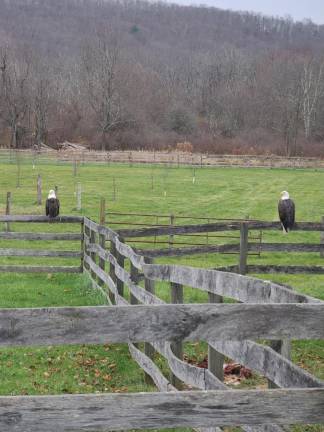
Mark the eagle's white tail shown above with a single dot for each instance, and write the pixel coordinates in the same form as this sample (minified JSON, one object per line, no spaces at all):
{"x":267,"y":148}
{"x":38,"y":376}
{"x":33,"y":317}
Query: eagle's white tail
{"x":284,"y":230}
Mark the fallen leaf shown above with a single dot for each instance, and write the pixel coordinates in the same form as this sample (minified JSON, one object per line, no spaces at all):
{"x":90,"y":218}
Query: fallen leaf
{"x":106,"y":377}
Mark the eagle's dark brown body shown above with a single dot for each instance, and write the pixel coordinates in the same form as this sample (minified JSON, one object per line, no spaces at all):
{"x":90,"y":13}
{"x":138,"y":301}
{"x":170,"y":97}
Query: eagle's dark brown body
{"x":286,"y":209}
{"x":52,"y":207}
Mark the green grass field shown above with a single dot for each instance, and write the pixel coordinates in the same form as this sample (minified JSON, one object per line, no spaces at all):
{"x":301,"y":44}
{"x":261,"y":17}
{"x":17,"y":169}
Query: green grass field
{"x":216,"y":193}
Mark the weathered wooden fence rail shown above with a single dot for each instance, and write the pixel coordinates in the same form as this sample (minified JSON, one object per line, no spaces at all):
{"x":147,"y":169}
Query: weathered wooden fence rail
{"x":104,"y":412}
{"x":40,"y":236}
{"x":216,"y":227}
{"x":173,"y":322}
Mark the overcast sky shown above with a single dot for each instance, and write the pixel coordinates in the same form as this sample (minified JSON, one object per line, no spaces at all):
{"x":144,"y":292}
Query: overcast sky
{"x":297,"y":9}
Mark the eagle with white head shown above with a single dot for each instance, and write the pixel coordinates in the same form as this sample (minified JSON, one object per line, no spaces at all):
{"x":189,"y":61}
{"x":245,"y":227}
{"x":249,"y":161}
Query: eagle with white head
{"x":52,"y":205}
{"x":286,"y":210}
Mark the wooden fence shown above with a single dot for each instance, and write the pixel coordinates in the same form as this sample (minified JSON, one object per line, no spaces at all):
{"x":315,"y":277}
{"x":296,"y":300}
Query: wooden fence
{"x":264,"y":310}
{"x":8,"y":235}
{"x":270,"y":311}
{"x":174,"y":158}
{"x":174,"y":247}
{"x":250,"y":241}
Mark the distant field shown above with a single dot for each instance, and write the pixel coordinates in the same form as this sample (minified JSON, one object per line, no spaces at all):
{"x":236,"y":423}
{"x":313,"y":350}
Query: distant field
{"x":216,"y":193}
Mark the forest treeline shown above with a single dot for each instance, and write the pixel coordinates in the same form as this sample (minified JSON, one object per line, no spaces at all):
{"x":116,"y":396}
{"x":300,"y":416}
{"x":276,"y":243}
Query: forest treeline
{"x":149,"y":75}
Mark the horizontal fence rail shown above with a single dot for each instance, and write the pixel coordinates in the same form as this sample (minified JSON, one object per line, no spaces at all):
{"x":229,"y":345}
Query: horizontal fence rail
{"x":41,"y":219}
{"x":237,"y":287}
{"x":39,"y":253}
{"x":111,"y":412}
{"x":39,"y":269}
{"x":190,"y":322}
{"x":41,"y":236}
{"x":216,"y":227}
{"x":234,"y":248}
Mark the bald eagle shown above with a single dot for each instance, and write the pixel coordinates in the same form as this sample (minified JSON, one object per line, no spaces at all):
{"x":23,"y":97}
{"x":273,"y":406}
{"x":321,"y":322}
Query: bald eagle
{"x":286,"y":209}
{"x":52,"y":205}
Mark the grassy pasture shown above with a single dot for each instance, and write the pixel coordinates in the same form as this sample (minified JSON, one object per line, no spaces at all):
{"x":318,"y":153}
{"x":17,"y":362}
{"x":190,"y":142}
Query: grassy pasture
{"x":216,"y":193}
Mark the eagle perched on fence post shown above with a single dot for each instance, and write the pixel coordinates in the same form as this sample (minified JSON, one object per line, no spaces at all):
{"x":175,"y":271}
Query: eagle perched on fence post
{"x":52,"y":205}
{"x":286,"y":209}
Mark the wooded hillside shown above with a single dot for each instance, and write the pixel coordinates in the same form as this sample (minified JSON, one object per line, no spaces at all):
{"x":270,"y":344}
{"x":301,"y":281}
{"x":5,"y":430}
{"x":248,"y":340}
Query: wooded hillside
{"x":133,"y":74}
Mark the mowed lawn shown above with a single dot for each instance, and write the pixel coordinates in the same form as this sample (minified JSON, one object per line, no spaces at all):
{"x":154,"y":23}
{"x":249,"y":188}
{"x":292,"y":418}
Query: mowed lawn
{"x":215,"y":193}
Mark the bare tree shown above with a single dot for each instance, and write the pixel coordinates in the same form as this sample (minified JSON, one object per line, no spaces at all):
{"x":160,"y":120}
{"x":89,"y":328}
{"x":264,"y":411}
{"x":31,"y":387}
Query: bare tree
{"x":41,"y":101}
{"x":285,"y":97}
{"x":312,"y":86}
{"x":100,"y":65}
{"x":14,"y":91}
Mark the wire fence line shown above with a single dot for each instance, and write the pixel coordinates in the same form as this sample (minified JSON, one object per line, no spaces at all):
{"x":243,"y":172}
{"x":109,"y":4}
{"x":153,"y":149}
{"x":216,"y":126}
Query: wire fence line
{"x":171,"y":159}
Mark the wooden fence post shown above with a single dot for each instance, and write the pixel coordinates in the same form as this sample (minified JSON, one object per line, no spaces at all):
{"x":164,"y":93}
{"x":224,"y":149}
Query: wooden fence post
{"x":134,"y":278}
{"x":93,"y":255}
{"x":114,"y":190}
{"x":172,"y":218}
{"x":39,"y":190}
{"x":121,"y":262}
{"x":112,"y":273}
{"x":102,"y":238}
{"x":215,"y":359}
{"x":75,"y":168}
{"x":282,"y":347}
{"x":148,"y":348}
{"x":82,"y":247}
{"x":244,"y":238}
{"x":79,"y":196}
{"x":322,"y":241}
{"x":102,"y":212}
{"x":56,"y":191}
{"x":8,"y":210}
{"x":86,"y":240}
{"x":132,"y":299}
{"x":176,"y":298}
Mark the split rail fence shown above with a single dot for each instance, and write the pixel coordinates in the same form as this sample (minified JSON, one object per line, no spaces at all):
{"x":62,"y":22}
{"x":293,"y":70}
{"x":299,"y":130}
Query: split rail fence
{"x":35,"y":236}
{"x":136,"y":315}
{"x":269,"y":311}
{"x":250,"y":241}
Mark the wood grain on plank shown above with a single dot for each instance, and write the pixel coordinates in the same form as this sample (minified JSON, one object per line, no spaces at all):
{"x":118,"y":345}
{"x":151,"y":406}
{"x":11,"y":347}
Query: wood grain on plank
{"x":242,"y":288}
{"x":267,"y":362}
{"x":99,"y":412}
{"x":100,"y":324}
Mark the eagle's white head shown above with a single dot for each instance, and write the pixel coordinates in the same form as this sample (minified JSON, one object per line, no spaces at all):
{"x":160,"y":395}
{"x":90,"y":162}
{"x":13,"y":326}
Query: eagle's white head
{"x":51,"y":194}
{"x":284,"y":195}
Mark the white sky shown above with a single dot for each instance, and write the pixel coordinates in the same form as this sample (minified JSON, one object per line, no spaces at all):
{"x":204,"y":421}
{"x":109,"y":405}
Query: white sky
{"x":297,"y":9}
